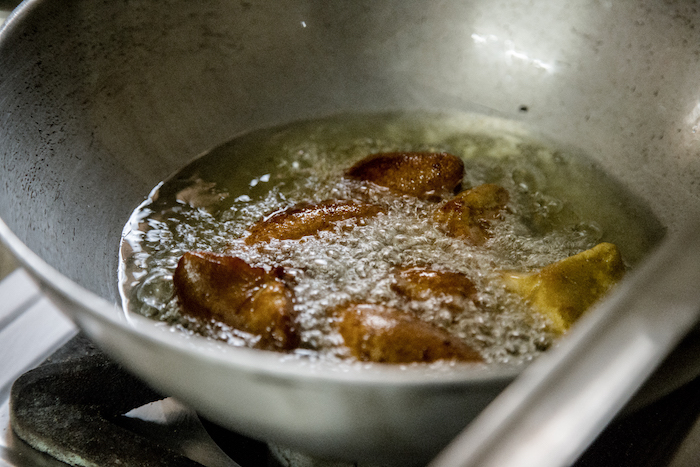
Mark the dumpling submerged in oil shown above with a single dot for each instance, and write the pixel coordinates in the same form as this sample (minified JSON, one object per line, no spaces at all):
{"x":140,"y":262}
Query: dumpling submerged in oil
{"x":381,"y":241}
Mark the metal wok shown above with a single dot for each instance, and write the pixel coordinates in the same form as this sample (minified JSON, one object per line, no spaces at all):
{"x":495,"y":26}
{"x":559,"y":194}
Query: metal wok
{"x":100,"y":100}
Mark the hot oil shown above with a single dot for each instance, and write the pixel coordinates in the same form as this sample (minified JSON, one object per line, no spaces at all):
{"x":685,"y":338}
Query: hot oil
{"x":561,"y":204}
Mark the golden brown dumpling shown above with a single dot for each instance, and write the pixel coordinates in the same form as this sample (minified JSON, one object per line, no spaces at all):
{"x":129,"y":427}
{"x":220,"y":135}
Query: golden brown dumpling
{"x":304,"y":220}
{"x":421,"y":174}
{"x":469,"y":214}
{"x":247,"y":298}
{"x":423,"y":283}
{"x":376,"y":333}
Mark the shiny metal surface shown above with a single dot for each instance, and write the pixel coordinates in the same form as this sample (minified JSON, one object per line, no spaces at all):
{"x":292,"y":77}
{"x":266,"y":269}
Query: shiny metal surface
{"x":101,"y":100}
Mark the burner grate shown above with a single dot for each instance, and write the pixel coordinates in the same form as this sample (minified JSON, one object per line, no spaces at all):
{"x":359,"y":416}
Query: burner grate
{"x":69,"y":410}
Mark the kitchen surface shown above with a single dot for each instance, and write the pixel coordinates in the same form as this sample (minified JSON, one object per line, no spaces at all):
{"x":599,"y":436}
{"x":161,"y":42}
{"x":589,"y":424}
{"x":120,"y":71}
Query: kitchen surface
{"x":661,"y":427}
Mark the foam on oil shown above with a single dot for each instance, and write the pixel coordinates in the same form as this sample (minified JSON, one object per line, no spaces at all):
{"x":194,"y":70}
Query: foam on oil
{"x":561,"y":204}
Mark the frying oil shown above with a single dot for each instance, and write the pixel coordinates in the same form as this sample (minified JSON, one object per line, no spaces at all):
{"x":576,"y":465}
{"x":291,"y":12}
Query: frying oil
{"x":561,"y":204}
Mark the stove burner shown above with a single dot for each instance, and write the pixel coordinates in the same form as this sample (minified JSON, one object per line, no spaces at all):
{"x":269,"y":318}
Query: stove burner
{"x":69,"y":408}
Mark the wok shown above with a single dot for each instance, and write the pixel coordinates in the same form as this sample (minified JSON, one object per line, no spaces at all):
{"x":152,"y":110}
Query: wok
{"x":101,"y":100}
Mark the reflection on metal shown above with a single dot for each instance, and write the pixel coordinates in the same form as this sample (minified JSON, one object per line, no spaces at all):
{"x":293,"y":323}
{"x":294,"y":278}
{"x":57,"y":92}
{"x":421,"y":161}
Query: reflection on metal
{"x":510,"y":51}
{"x":693,"y":118}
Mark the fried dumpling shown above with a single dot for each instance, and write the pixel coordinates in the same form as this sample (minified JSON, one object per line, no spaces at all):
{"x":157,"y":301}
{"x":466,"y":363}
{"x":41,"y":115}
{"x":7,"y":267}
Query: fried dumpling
{"x":564,"y":290}
{"x":421,"y":174}
{"x":423,"y":283}
{"x":303,"y":220}
{"x":469,"y":214}
{"x":377,"y":333}
{"x":250,"y":299}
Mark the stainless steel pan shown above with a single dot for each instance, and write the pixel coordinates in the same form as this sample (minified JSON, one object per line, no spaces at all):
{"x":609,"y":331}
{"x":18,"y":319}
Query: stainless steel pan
{"x":100,"y":100}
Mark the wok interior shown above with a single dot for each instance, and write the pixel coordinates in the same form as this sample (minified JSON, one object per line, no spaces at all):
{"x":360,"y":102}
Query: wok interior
{"x":102,"y":100}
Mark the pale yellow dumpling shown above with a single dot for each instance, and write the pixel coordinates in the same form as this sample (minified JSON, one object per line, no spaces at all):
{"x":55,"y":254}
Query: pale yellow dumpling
{"x":564,"y":290}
